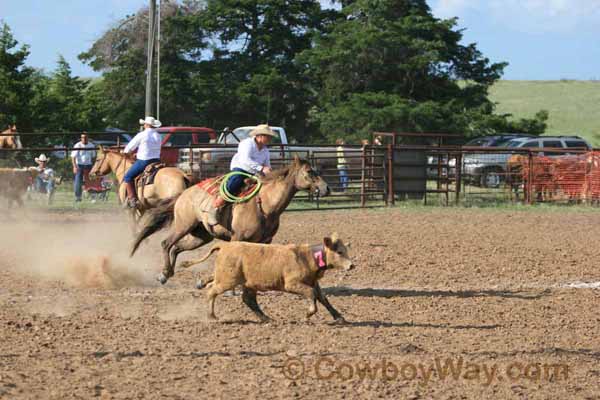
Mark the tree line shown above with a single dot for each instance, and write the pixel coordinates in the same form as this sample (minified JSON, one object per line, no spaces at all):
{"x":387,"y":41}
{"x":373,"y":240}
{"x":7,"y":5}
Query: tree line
{"x":322,"y":73}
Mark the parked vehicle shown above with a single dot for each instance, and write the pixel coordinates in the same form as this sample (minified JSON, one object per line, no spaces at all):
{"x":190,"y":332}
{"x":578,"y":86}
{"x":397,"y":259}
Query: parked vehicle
{"x":182,"y":136}
{"x":111,"y":138}
{"x":215,"y":160}
{"x":494,"y":140}
{"x":115,"y":137}
{"x":490,"y":169}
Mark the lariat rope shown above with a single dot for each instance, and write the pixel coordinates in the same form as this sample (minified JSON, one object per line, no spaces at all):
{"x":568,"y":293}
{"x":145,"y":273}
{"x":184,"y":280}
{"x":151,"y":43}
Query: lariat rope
{"x":222,"y":181}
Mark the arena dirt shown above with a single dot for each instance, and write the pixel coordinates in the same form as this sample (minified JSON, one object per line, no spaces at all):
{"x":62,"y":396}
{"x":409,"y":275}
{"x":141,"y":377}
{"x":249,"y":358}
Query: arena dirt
{"x":444,"y":303}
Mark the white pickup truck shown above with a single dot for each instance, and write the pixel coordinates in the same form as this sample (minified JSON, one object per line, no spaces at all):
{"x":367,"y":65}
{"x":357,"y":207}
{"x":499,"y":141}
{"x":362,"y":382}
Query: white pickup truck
{"x":210,"y":161}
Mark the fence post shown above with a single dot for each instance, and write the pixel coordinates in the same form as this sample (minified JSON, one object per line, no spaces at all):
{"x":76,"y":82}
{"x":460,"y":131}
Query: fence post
{"x":200,"y":164}
{"x":191,"y":161}
{"x":458,"y":177}
{"x":390,"y":161}
{"x":363,"y":176}
{"x":530,"y":179}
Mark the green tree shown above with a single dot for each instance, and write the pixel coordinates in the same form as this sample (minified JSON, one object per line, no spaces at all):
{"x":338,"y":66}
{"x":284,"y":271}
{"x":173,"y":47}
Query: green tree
{"x":390,"y":65}
{"x":15,"y":83}
{"x":65,"y":100}
{"x":255,"y":44}
{"x":121,"y":55}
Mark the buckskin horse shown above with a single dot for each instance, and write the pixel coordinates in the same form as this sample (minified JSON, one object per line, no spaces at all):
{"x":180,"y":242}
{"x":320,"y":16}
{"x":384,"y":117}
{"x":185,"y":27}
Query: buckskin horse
{"x":169,"y":182}
{"x":256,"y":220}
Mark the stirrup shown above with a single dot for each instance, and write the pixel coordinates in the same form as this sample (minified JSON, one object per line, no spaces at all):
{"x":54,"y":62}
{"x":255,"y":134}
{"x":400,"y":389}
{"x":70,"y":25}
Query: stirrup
{"x":131,"y":203}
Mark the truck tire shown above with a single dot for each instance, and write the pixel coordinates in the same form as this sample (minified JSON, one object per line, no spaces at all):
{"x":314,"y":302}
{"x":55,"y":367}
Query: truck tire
{"x":491,"y":178}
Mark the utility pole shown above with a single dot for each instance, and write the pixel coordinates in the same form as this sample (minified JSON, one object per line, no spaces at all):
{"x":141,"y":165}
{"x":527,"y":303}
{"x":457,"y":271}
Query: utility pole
{"x":151,"y":34}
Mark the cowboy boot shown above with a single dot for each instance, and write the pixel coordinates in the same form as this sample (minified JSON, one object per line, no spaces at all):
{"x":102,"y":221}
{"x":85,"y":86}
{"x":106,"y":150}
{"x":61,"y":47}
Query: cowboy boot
{"x":132,"y":201}
{"x":213,"y":213}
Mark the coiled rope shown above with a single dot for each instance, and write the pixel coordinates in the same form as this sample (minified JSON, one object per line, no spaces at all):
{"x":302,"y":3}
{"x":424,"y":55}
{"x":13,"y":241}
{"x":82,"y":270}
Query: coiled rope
{"x":238,"y":199}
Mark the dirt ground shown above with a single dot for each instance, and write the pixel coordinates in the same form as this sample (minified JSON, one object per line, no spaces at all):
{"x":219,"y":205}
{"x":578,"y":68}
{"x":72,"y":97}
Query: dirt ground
{"x":443,"y":303}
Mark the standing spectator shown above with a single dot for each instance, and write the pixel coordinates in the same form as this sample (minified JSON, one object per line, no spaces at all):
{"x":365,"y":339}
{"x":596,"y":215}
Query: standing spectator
{"x":342,"y":165}
{"x":82,"y":163}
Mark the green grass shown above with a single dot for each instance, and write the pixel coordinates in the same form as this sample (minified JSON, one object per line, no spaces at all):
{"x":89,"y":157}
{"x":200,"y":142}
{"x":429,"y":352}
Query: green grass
{"x":574,"y":106}
{"x":64,"y":199}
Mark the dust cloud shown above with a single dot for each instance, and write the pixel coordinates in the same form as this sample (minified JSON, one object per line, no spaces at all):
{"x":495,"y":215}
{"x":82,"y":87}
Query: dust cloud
{"x":90,"y":254}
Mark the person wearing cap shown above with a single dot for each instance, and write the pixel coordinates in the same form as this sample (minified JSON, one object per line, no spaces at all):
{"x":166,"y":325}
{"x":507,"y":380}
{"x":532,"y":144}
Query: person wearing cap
{"x":44,"y":182}
{"x":82,"y":161}
{"x":252,"y":157}
{"x":147,"y":143}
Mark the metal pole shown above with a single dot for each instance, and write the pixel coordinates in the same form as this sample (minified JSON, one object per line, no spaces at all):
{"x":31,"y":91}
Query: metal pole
{"x":151,"y":13}
{"x":458,"y":176}
{"x":390,"y":161}
{"x":363,"y":167}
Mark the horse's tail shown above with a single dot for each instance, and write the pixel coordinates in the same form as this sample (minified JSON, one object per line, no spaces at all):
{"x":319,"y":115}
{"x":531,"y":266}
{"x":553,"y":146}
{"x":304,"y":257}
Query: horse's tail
{"x":187,"y":264}
{"x":154,"y":220}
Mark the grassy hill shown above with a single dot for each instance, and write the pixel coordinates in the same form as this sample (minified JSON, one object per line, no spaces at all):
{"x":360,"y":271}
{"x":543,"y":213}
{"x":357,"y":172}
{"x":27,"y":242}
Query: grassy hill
{"x":574,"y":106}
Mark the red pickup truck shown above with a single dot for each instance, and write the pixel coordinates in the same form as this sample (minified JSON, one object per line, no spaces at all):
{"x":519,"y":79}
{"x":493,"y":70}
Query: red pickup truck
{"x":182,"y":136}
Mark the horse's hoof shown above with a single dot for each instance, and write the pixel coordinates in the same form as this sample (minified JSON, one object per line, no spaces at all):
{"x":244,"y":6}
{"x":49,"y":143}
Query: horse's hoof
{"x":200,"y":284}
{"x":162,"y":278}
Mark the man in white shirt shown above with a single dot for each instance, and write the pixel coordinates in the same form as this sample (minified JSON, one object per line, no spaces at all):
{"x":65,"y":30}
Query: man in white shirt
{"x":252,"y":157}
{"x":82,"y":161}
{"x":148,"y":144}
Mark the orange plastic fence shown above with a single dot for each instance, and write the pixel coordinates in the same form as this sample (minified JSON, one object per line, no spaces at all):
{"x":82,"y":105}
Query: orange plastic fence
{"x":568,"y":177}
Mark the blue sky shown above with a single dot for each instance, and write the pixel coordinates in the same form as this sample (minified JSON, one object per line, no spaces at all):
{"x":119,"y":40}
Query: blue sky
{"x":541,"y":39}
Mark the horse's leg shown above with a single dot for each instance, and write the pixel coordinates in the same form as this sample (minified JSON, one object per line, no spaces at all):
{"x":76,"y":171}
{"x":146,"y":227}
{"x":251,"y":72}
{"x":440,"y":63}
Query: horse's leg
{"x":176,"y":234}
{"x":187,"y":243}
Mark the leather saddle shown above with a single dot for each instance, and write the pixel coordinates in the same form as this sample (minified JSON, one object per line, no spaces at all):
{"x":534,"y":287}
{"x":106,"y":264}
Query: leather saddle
{"x":147,"y":177}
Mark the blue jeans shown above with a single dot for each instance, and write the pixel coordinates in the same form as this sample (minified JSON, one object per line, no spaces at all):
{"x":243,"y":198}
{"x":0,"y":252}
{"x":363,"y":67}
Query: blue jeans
{"x":343,"y":178}
{"x":137,"y":168}
{"x":44,"y":187}
{"x":82,"y":172}
{"x":236,"y":182}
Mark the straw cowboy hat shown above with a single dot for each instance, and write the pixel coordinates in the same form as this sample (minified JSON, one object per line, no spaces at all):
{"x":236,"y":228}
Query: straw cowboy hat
{"x":263,"y":129}
{"x":151,"y":121}
{"x":42,"y":158}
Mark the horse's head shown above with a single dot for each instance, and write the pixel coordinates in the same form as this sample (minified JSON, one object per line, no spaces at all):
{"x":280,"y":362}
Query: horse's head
{"x":13,"y":141}
{"x":306,"y":178}
{"x":101,"y":166}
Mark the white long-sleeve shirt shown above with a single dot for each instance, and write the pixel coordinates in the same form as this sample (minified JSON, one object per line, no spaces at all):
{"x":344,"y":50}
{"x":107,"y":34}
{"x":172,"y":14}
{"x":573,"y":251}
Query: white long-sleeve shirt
{"x":147,"y":142}
{"x":249,"y":157}
{"x":84,"y":157}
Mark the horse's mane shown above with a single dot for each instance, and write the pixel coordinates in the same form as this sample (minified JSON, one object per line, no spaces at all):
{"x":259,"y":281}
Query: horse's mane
{"x":284,"y":172}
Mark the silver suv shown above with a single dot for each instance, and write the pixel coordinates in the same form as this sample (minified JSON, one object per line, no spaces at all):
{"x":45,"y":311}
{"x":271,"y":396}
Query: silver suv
{"x":489,"y":170}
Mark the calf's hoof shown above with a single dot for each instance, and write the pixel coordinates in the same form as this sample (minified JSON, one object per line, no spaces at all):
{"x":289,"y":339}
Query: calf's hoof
{"x":162,"y":278}
{"x":200,"y":284}
{"x":340,"y":321}
{"x":212,"y":318}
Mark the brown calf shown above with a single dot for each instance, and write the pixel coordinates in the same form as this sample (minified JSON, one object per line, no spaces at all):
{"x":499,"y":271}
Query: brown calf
{"x":14,"y":183}
{"x":263,"y":267}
